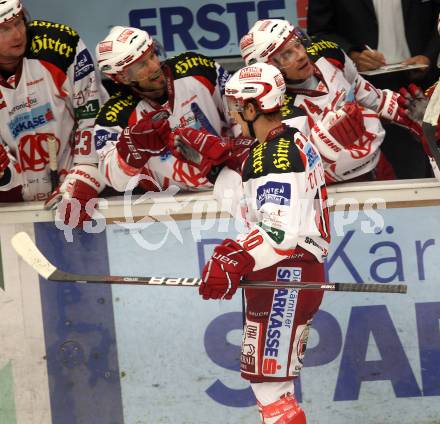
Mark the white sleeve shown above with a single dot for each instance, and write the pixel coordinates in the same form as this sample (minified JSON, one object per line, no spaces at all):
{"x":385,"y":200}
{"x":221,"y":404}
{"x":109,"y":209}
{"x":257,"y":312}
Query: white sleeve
{"x":86,"y":95}
{"x":109,"y":164}
{"x":365,"y":93}
{"x":228,"y":191}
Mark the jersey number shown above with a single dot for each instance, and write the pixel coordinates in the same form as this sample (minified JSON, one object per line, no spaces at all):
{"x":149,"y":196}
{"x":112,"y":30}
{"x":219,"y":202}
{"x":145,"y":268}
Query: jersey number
{"x":83,"y":143}
{"x":252,"y":240}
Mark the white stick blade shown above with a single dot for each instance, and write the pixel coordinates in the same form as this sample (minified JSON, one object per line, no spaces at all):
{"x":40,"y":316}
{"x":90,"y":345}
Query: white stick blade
{"x":26,"y":249}
{"x":52,"y":149}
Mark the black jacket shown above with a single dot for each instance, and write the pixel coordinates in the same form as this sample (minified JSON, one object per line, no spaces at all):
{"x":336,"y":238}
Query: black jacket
{"x":353,"y":24}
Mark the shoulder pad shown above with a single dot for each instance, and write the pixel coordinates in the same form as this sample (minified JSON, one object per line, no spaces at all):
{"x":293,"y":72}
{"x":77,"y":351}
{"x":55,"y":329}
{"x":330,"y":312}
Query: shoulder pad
{"x":328,"y":49}
{"x":52,"y":42}
{"x":289,"y":110}
{"x":117,"y":110}
{"x":278,"y":156}
{"x":191,"y":64}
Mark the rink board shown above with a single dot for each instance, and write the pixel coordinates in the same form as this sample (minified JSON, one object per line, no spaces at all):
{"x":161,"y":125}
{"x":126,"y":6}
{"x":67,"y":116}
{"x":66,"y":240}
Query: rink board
{"x":137,"y":355}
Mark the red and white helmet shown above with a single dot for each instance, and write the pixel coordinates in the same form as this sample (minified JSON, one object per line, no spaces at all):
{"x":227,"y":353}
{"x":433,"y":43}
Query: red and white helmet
{"x":122,"y":47}
{"x":9,"y":9}
{"x":265,"y":38}
{"x":261,"y":82}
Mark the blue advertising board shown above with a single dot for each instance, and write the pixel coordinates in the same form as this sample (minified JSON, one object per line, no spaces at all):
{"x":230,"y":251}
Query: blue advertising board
{"x":161,"y":354}
{"x":213,"y":29}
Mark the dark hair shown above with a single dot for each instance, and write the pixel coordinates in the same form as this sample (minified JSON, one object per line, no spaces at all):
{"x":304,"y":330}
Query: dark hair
{"x":271,"y":116}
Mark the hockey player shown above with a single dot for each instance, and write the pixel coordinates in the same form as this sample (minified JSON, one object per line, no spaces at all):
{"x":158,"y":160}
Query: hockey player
{"x":344,"y":109}
{"x":133,"y":128}
{"x":284,"y":197}
{"x":49,"y":90}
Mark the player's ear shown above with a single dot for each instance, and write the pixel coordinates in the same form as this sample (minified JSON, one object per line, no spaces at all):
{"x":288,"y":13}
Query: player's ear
{"x":250,"y":109}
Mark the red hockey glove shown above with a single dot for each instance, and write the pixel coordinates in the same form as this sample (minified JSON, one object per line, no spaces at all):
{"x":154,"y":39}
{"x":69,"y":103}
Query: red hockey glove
{"x":413,"y":101}
{"x":4,"y":159}
{"x":338,"y":130}
{"x":205,"y":150}
{"x":393,"y":108}
{"x":222,"y":273}
{"x":148,"y":137}
{"x":71,"y":198}
{"x":347,"y":124}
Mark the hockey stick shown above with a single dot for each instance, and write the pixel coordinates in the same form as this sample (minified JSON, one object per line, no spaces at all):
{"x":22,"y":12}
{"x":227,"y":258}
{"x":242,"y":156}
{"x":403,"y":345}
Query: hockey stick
{"x":27,"y":250}
{"x":52,"y":151}
{"x":203,"y":119}
{"x":429,"y":124}
{"x":429,"y":132}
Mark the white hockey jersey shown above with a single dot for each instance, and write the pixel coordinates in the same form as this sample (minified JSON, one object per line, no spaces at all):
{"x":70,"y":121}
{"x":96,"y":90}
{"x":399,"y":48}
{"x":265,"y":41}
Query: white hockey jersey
{"x":56,"y":92}
{"x":339,"y":80}
{"x":285,"y":199}
{"x":195,"y":99}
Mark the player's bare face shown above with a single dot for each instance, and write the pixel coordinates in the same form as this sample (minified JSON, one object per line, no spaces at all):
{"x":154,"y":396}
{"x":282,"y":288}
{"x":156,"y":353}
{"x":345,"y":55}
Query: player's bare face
{"x":12,"y":41}
{"x":148,"y":74}
{"x":292,"y":60}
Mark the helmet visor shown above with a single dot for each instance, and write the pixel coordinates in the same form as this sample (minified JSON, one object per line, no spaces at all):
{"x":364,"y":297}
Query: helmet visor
{"x":289,"y":52}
